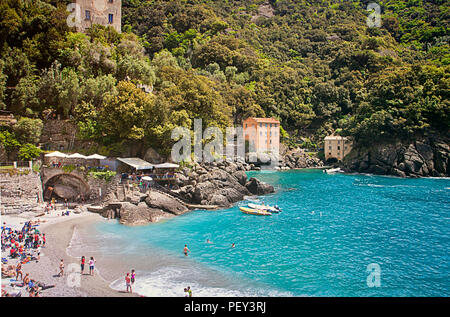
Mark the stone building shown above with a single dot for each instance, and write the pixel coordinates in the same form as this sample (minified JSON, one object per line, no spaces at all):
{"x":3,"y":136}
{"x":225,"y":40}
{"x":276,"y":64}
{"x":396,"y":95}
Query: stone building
{"x":103,"y":12}
{"x":337,"y":147}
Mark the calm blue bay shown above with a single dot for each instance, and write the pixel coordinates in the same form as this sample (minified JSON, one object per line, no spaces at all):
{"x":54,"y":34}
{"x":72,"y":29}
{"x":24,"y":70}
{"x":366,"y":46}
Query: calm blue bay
{"x":331,"y":228}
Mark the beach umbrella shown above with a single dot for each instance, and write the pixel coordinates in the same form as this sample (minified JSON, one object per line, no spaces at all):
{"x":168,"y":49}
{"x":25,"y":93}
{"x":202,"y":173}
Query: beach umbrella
{"x":56,"y":154}
{"x":77,"y":156}
{"x":96,"y":157}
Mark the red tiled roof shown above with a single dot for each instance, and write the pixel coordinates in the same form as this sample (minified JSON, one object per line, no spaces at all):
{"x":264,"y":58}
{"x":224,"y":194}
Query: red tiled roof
{"x":268,"y":120}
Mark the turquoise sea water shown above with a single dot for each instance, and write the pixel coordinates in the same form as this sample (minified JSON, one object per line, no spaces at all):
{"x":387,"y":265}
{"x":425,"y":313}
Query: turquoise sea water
{"x":331,"y":228}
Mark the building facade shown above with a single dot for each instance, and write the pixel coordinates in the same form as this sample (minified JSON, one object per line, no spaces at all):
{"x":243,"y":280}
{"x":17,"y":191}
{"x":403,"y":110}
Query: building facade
{"x":336,"y":147}
{"x":102,"y":12}
{"x":262,"y":134}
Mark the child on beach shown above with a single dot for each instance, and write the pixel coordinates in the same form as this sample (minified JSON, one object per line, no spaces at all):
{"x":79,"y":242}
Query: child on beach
{"x":128,"y":282}
{"x":133,"y":276}
{"x":91,"y":266}
{"x":61,"y":268}
{"x":83,"y":261}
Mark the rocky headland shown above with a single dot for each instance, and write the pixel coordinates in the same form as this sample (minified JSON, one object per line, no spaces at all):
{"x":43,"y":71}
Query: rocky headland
{"x":424,"y":157}
{"x":208,"y":186}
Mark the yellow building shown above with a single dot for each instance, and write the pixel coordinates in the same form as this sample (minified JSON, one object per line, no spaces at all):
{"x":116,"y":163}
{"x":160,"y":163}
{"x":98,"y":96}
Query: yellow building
{"x":337,"y":147}
{"x":102,"y":12}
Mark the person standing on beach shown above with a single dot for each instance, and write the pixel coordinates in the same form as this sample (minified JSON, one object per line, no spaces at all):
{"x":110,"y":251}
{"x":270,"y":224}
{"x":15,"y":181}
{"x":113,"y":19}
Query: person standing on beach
{"x":133,"y":276}
{"x":128,"y":282}
{"x":61,"y":268}
{"x":83,"y":261}
{"x":186,"y":250}
{"x":91,"y":266}
{"x":189,"y":291}
{"x":19,"y":271}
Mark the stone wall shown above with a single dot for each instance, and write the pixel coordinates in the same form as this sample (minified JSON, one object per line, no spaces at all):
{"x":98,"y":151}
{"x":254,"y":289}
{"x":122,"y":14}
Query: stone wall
{"x":20,"y":192}
{"x":61,"y":135}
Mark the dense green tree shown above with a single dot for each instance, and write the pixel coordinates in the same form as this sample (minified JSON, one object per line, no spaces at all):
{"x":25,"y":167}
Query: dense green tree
{"x":28,"y":130}
{"x":124,"y":114}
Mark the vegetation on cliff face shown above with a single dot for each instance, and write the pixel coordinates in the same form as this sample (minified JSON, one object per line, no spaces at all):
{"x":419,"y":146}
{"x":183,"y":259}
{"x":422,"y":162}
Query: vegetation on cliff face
{"x":315,"y":65}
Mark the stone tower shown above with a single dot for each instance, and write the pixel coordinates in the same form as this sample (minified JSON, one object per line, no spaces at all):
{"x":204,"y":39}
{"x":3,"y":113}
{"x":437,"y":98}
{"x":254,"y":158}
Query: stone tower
{"x":103,"y":12}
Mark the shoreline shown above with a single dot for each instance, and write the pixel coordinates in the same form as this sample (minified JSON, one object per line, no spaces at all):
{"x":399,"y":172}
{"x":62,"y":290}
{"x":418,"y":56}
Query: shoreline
{"x":59,"y":233}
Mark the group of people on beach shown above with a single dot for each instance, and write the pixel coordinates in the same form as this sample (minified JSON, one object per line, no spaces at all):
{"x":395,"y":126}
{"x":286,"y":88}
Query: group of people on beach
{"x":130,"y":278}
{"x":91,"y":265}
{"x":24,"y":246}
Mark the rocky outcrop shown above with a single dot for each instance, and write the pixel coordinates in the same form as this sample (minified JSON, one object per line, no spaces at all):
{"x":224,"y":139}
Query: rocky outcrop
{"x":136,"y":208}
{"x":426,"y":156}
{"x":257,"y":187}
{"x":220,"y":184}
{"x":210,"y":184}
{"x":168,"y":204}
{"x":299,"y":158}
{"x":141,"y":214}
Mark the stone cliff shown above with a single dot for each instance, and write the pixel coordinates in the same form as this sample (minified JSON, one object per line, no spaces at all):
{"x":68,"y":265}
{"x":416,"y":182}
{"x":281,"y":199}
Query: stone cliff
{"x":424,"y":156}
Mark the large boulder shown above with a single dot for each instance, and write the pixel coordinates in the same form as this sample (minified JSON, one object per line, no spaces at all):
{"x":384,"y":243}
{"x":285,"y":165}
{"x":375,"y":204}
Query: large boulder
{"x":241,"y":177}
{"x":219,"y":200}
{"x":204,"y":191}
{"x":257,"y":187}
{"x":151,"y":155}
{"x":141,"y":214}
{"x":165,"y":202}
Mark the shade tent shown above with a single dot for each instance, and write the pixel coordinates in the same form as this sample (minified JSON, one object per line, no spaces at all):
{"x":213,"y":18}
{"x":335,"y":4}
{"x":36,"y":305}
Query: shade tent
{"x":167,"y":165}
{"x":136,"y":163}
{"x":77,"y":156}
{"x":56,"y":154}
{"x":95,"y":157}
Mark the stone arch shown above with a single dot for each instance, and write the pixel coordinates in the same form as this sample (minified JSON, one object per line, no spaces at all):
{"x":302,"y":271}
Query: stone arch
{"x":66,"y":186}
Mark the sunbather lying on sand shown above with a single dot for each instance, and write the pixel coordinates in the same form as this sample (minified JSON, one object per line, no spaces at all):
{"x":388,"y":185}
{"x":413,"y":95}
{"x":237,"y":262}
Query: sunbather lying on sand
{"x":8,"y":272}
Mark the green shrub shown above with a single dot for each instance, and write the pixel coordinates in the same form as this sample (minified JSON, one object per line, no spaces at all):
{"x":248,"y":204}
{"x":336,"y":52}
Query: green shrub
{"x":104,"y":175}
{"x":28,"y":152}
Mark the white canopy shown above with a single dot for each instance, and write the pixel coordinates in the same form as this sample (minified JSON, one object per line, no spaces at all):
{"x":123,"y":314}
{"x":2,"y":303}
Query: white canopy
{"x":76,"y":156}
{"x":96,"y":157}
{"x":167,"y":165}
{"x":136,"y":163}
{"x":56,"y":154}
{"x":147,"y":178}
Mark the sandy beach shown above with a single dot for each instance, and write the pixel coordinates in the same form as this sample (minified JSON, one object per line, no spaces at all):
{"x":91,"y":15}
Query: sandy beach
{"x":59,"y":231}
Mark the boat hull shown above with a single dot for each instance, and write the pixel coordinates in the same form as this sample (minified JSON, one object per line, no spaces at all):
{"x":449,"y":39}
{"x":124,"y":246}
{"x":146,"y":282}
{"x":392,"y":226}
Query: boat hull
{"x":265,"y":208}
{"x":256,"y":212}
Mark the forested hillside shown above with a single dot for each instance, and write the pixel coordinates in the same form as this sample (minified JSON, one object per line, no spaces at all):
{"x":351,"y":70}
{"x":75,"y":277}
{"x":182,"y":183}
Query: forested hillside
{"x":315,"y":65}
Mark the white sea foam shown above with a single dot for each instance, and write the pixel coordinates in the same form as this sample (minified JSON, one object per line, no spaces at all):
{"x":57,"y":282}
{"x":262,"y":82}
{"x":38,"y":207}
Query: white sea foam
{"x":171,"y":282}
